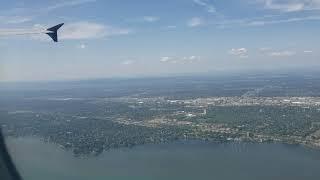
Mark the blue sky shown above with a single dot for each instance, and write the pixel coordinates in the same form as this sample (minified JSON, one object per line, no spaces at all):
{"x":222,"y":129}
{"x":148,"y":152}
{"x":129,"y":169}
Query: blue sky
{"x":131,"y":38}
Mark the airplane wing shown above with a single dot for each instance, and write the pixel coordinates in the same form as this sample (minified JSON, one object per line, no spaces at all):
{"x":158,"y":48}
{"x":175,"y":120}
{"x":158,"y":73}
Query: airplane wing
{"x":53,"y":32}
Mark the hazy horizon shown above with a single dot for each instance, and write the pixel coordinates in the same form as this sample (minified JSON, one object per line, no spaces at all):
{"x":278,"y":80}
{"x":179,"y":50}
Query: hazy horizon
{"x":212,"y":74}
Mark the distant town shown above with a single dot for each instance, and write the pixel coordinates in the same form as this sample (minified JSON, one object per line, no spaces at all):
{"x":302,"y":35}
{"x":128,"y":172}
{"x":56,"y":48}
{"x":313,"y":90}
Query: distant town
{"x":88,"y":124}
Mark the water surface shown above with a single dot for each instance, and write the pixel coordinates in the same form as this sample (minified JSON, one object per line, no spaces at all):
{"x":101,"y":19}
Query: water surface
{"x":183,"y":160}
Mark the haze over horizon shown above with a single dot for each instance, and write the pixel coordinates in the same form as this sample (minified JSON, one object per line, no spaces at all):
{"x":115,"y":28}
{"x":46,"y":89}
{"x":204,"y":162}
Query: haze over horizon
{"x":103,"y":39}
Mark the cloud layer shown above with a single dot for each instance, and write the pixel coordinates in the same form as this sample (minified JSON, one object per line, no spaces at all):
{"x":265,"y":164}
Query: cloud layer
{"x":282,"y":53}
{"x":292,"y":5}
{"x":180,"y":60}
{"x":209,"y":7}
{"x":89,"y":30}
{"x":240,"y":52}
{"x":195,"y":21}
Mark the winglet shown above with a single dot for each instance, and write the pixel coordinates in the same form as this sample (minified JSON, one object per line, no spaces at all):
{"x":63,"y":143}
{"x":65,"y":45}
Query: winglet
{"x":53,"y":32}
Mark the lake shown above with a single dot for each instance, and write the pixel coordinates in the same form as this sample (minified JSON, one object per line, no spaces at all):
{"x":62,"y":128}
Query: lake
{"x":37,"y":160}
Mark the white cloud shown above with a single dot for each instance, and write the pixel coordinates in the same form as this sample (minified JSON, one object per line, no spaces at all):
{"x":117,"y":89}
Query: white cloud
{"x":127,"y":62}
{"x":88,"y":30}
{"x":282,"y":53}
{"x":12,"y":16}
{"x":285,"y":53}
{"x":69,"y":3}
{"x":193,"y":57}
{"x":308,"y":51}
{"x":210,"y":8}
{"x":190,"y":59}
{"x":183,"y":60}
{"x":264,"y":20}
{"x":265,"y":49}
{"x":144,"y":19}
{"x":290,"y":20}
{"x":75,"y":31}
{"x":240,"y":52}
{"x":171,"y":27}
{"x":284,"y":6}
{"x":195,"y":21}
{"x":165,"y":59}
{"x":200,"y":2}
{"x":14,"y":19}
{"x":292,"y":5}
{"x":150,"y":18}
{"x":36,"y":32}
{"x":82,"y":46}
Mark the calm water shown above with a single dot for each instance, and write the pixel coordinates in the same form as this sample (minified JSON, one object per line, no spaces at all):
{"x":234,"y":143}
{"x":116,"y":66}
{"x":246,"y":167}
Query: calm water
{"x":192,"y":160}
